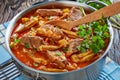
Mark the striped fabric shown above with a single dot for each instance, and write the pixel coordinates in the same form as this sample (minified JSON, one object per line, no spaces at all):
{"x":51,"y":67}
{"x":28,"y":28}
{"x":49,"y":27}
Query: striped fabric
{"x":9,"y":71}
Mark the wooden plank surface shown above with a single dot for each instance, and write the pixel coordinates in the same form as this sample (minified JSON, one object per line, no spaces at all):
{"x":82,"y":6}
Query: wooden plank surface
{"x":9,"y":8}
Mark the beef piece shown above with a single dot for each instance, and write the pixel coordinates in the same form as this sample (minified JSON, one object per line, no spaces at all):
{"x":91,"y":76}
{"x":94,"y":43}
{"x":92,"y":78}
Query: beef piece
{"x":58,"y":58}
{"x":73,"y":46}
{"x":32,"y":41}
{"x":50,"y":31}
{"x":49,"y":12}
{"x":75,"y":14}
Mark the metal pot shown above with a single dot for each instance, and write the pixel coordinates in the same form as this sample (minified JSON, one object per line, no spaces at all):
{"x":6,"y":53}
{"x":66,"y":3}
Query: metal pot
{"x":90,"y":72}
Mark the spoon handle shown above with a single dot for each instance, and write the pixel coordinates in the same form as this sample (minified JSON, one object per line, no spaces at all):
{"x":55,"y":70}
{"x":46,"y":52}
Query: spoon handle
{"x":103,"y":12}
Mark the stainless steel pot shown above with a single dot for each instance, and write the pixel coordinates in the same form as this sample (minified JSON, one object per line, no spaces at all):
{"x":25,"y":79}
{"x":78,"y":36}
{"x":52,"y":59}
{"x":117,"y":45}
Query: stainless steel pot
{"x":90,"y":72}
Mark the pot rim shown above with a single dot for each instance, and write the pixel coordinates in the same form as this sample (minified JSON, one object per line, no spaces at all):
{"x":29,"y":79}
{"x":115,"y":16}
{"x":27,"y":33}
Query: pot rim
{"x":16,"y":18}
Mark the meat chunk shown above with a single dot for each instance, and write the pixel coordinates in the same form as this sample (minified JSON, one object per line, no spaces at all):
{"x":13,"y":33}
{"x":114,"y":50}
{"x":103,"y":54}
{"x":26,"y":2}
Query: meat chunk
{"x":75,"y":14}
{"x":58,"y":58}
{"x":72,"y":47}
{"x":49,"y":12}
{"x":50,"y":31}
{"x":32,"y":41}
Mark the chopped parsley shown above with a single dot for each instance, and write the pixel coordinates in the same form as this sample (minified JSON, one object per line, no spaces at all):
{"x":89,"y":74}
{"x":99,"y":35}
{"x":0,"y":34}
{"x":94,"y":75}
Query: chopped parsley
{"x":27,"y":45}
{"x":94,"y":36}
{"x":84,"y":31}
{"x":58,"y":53}
{"x":84,"y":45}
{"x":97,"y":44}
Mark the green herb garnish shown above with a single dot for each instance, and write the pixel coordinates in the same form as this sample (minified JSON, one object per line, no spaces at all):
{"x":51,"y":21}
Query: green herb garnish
{"x":94,"y":35}
{"x":27,"y":45}
{"x":84,"y":45}
{"x":84,"y":31}
{"x":58,"y":53}
{"x":97,"y":44}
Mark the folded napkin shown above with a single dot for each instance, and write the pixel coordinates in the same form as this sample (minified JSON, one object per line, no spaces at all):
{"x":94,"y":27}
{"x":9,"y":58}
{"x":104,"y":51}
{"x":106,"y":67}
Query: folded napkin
{"x":111,"y":70}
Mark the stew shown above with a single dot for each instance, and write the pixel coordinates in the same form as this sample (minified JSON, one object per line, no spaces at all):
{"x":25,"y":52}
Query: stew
{"x":50,"y":48}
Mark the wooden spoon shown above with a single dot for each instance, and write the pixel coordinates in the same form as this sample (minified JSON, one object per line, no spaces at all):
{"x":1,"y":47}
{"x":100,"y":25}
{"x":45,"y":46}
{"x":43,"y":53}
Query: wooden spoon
{"x":96,"y":15}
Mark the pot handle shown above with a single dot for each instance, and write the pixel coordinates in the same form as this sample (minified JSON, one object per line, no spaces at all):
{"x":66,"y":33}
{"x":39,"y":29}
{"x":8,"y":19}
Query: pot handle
{"x":97,"y":2}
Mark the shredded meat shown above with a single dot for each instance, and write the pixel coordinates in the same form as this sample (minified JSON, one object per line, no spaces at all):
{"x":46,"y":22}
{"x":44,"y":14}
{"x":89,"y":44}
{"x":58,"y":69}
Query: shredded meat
{"x":49,"y":12}
{"x":75,"y":14}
